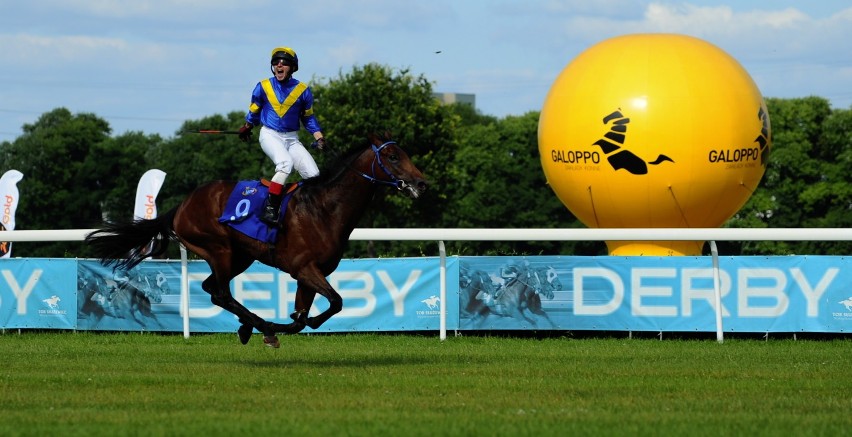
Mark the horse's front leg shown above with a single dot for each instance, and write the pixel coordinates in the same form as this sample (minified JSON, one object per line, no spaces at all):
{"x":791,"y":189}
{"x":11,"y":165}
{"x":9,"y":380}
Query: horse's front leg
{"x":304,"y":300}
{"x":513,"y":307}
{"x":310,"y":282}
{"x":534,"y":306}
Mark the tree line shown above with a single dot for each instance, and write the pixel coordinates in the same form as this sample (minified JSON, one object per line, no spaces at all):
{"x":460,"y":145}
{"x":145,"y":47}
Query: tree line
{"x":484,"y":171}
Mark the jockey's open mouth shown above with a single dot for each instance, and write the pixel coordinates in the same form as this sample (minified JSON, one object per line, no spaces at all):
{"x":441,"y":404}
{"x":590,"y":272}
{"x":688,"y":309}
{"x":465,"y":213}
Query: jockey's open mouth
{"x":281,"y":70}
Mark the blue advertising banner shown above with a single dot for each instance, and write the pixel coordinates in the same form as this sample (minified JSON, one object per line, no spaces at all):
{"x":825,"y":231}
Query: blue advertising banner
{"x":38,"y":293}
{"x":145,"y":298}
{"x":674,"y":294}
{"x":378,"y":295}
{"x":759,"y":294}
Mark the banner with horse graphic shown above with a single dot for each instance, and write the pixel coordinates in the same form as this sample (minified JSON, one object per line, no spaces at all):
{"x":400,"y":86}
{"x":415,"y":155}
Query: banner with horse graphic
{"x":657,"y":294}
{"x":378,"y":295}
{"x":653,"y":294}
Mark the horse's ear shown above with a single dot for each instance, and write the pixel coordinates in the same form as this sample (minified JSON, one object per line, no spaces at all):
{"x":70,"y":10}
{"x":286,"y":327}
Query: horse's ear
{"x":373,"y":138}
{"x":388,"y":135}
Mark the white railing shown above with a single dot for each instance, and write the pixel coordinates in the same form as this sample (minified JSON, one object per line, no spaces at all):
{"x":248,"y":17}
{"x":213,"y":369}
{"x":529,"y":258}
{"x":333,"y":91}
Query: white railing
{"x":710,"y":235}
{"x":527,"y":234}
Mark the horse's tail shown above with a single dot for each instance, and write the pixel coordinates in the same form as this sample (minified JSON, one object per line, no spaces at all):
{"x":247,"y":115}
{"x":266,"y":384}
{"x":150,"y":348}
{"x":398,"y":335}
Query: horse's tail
{"x":126,"y":244}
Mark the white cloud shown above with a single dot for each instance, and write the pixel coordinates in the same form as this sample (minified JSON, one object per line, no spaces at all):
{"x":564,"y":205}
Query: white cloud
{"x":719,"y":19}
{"x":351,"y":51}
{"x":156,"y":8}
{"x":42,"y":50}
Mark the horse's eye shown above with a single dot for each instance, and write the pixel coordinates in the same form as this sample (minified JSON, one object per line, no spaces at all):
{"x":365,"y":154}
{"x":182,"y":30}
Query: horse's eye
{"x":394,"y":157}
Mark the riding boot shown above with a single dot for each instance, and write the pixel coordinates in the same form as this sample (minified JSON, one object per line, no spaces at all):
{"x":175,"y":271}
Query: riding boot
{"x":271,"y":209}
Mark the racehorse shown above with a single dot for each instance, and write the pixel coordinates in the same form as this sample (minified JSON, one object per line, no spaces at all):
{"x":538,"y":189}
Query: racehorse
{"x":548,"y":281}
{"x":127,"y":302}
{"x":128,"y":296}
{"x":87,"y":285}
{"x":315,"y":228}
{"x":522,"y":293}
{"x":471,"y":283}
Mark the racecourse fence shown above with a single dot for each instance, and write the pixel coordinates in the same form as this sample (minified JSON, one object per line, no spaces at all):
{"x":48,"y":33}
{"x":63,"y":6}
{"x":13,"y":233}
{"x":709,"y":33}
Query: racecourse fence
{"x":840,"y":321}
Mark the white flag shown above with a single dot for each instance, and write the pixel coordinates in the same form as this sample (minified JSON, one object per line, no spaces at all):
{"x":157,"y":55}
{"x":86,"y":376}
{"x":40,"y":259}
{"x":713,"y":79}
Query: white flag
{"x":9,"y":196}
{"x":146,"y":194}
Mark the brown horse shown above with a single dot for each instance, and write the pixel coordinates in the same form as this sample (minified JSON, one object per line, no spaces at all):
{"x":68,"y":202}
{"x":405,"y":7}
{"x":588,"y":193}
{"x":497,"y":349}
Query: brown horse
{"x":314,"y":231}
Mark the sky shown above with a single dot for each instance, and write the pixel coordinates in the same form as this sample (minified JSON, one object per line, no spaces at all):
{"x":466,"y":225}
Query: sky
{"x":149,"y":65}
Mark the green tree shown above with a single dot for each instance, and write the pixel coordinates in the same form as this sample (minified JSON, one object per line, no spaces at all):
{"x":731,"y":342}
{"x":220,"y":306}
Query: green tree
{"x":807,"y":180}
{"x":827,"y":202}
{"x":112,"y":169}
{"x":192,"y":159}
{"x":378,"y":99}
{"x":497,"y":182}
{"x":484,"y":171}
{"x":54,"y":193}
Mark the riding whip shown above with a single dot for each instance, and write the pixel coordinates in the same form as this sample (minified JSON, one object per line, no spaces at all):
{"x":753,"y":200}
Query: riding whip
{"x":211,"y":132}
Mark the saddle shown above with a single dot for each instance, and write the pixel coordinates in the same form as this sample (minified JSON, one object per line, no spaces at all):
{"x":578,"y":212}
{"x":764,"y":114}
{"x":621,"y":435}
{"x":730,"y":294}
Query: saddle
{"x":245,"y":204}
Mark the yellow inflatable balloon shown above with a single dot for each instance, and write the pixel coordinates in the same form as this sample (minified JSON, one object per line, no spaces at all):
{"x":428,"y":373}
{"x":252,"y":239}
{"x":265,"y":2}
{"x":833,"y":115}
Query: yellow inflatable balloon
{"x":654,"y":131}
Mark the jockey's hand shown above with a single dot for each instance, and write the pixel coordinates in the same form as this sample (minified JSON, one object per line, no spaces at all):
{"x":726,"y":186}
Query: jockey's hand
{"x":320,"y":143}
{"x":245,"y":132}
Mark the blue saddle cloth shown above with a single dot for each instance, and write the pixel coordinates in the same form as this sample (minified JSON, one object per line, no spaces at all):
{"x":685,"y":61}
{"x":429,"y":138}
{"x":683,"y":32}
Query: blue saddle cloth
{"x":244,"y":206}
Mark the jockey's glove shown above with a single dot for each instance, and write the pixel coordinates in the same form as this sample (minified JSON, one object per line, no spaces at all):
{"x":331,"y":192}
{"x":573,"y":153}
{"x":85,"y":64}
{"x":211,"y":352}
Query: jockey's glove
{"x":245,"y":132}
{"x":320,"y":143}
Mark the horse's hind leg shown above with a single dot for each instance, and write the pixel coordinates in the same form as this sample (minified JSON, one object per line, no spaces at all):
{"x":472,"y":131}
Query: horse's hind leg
{"x":137,"y":316}
{"x":246,"y":328}
{"x":221,"y":296}
{"x":540,"y":312}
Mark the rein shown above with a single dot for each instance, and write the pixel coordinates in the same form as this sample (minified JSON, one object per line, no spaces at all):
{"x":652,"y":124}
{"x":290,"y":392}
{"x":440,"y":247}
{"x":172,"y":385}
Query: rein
{"x":536,"y":288}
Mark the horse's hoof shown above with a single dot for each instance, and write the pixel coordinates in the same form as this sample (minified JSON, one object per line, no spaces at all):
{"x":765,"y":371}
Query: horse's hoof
{"x":312,"y":323}
{"x":271,"y":341}
{"x":299,"y":316}
{"x":245,"y":333}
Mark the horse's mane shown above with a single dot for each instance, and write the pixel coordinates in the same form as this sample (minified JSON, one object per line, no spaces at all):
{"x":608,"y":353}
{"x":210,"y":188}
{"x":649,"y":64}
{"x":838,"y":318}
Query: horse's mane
{"x":340,"y":162}
{"x":333,"y":168}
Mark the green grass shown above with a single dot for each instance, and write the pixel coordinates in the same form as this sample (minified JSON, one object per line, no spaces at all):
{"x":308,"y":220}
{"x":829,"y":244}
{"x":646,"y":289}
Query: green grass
{"x":91,"y":384}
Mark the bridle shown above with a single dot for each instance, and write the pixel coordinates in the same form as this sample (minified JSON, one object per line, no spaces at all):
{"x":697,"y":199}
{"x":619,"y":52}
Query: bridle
{"x":394,"y":181}
{"x":529,"y":277}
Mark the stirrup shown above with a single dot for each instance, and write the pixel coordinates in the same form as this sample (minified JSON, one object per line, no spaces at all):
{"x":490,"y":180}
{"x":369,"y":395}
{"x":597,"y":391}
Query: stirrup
{"x":269,"y":215}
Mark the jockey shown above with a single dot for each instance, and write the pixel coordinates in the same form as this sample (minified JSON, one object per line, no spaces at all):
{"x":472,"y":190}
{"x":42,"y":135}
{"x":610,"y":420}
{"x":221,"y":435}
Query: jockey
{"x":510,"y":272}
{"x":280,"y":103}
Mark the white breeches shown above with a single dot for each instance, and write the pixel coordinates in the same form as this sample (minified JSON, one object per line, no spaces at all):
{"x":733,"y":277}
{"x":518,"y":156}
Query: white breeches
{"x":287,"y":152}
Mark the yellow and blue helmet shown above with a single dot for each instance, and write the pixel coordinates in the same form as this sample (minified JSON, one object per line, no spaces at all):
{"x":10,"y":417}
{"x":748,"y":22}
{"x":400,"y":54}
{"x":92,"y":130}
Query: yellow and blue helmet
{"x":288,"y":55}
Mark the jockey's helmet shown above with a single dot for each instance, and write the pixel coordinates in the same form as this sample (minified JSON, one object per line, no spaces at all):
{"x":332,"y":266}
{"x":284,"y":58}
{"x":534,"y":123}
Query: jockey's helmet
{"x":288,"y":55}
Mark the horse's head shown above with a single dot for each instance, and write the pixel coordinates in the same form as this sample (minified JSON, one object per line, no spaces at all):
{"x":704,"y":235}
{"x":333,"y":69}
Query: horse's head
{"x":163,"y":283}
{"x":142,"y":284}
{"x":483,"y":282}
{"x":153,"y":292}
{"x":476,"y":281}
{"x":550,"y":282}
{"x":391,"y":166}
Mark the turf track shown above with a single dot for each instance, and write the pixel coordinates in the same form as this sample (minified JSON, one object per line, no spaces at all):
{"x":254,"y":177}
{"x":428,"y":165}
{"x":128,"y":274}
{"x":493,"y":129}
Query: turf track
{"x":92,"y":384}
